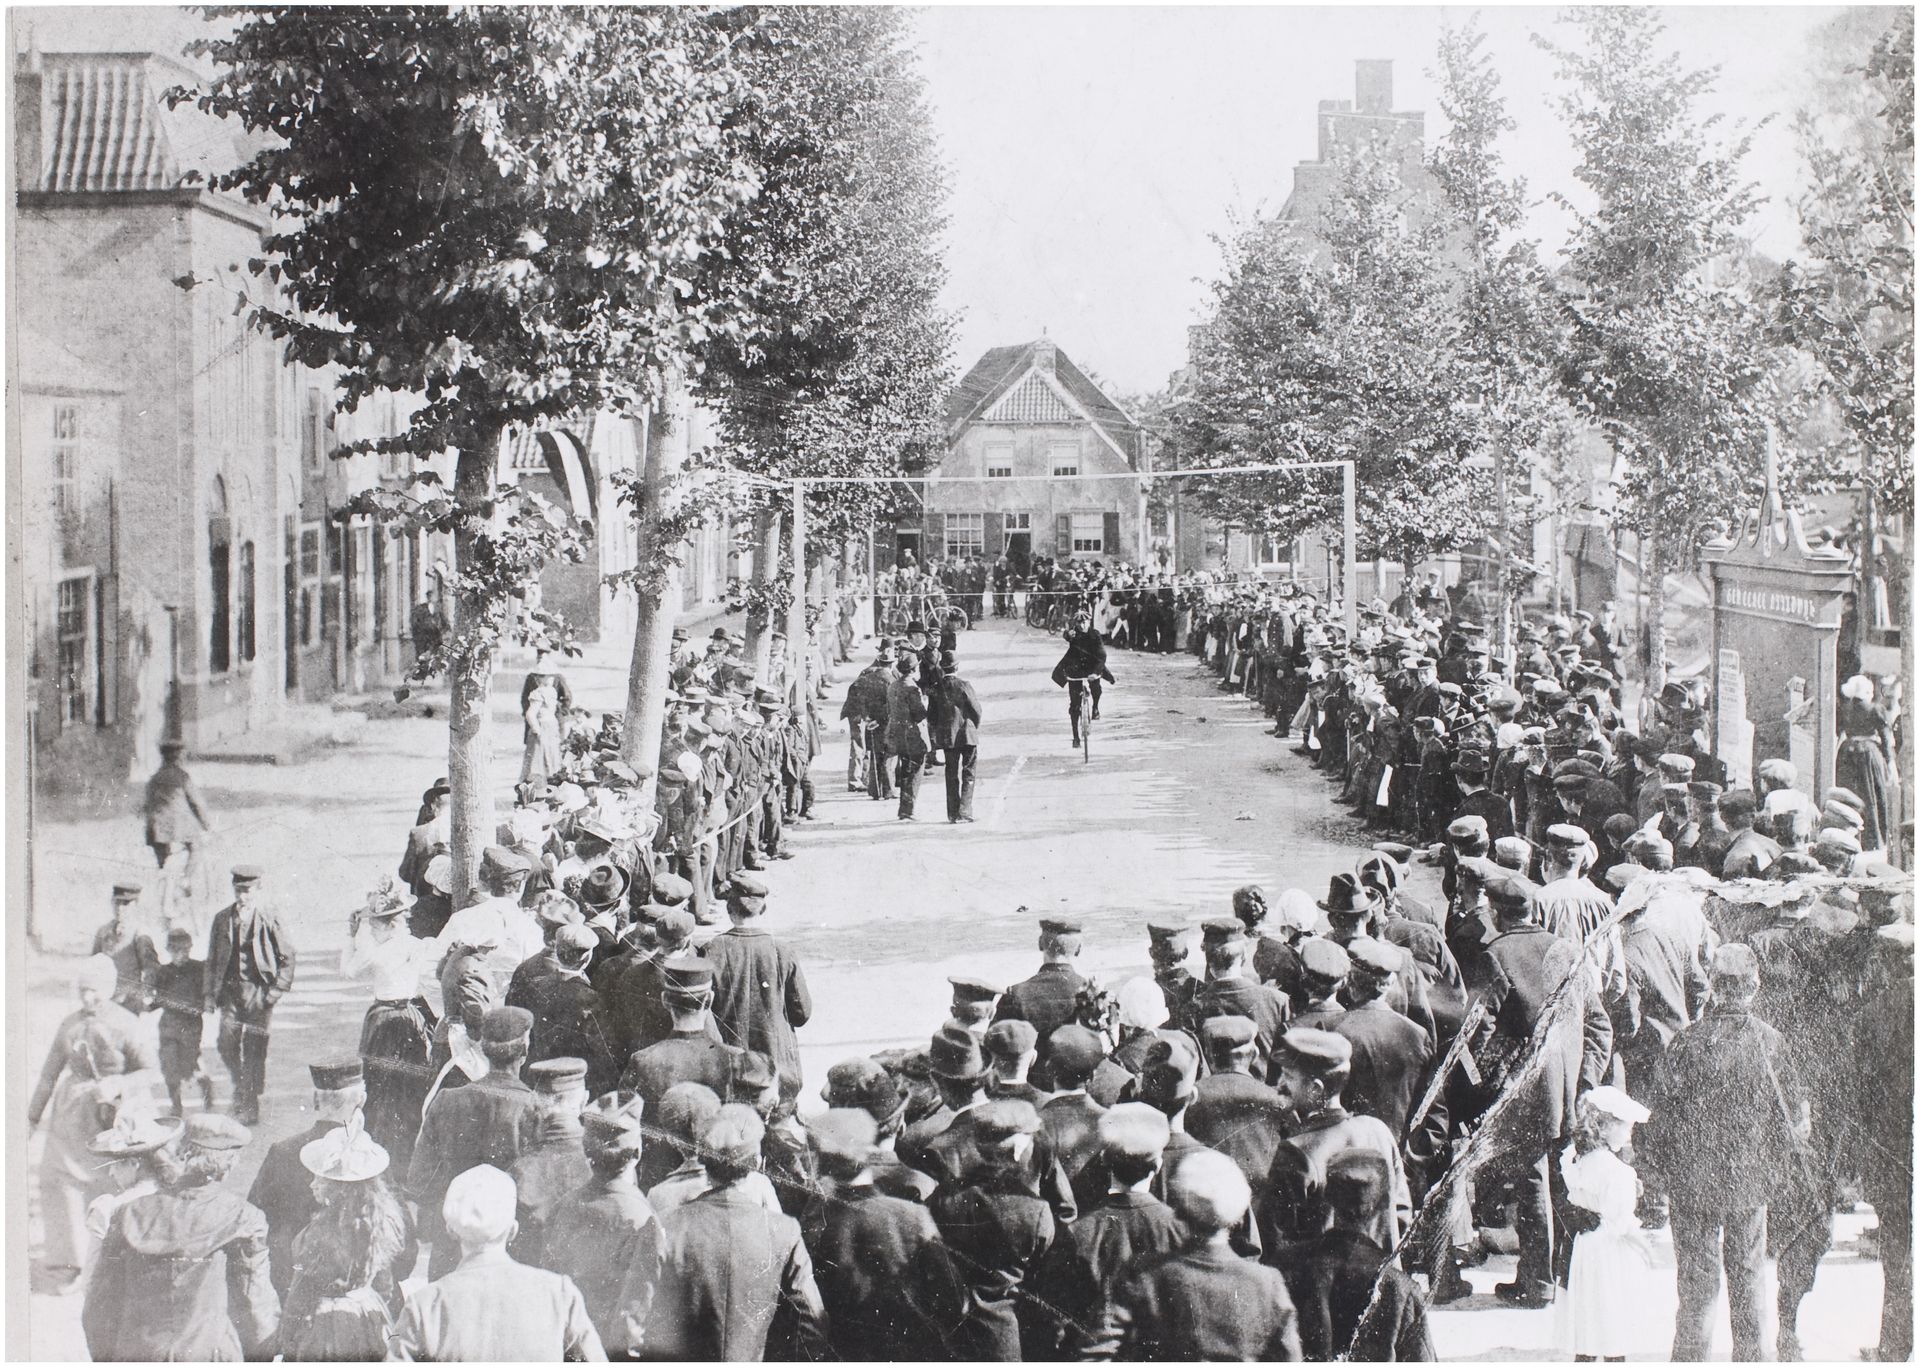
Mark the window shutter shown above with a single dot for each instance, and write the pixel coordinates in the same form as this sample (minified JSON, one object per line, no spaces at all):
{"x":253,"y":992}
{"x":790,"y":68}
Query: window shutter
{"x":936,"y":538}
{"x":107,"y":616}
{"x":993,"y":536}
{"x":1110,"y":533}
{"x":1063,"y":535}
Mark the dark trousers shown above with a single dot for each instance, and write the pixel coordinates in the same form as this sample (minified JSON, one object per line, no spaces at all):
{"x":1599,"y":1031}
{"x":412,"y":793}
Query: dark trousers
{"x":243,"y":1049}
{"x":906,"y":777}
{"x":960,"y":781}
{"x":1527,"y":1175}
{"x":879,"y":783}
{"x":1705,"y":1241}
{"x":1892,"y":1198}
{"x":1074,"y":687}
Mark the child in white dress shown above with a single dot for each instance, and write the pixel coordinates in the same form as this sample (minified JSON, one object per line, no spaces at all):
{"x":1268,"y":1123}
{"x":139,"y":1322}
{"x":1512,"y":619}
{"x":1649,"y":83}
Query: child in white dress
{"x":1607,"y":1283}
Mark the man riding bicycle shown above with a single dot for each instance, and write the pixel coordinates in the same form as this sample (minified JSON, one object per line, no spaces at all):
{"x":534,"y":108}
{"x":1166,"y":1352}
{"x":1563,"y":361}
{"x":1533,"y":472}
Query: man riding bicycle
{"x":1083,"y":666}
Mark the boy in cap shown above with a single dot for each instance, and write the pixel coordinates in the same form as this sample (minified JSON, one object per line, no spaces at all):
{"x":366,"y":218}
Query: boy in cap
{"x":972,"y":1004}
{"x":1344,"y":1282}
{"x":1233,"y":1111}
{"x":485,"y":1122}
{"x":177,"y":987}
{"x":1125,"y":1226}
{"x":1314,"y":1069}
{"x":603,"y":1235}
{"x":1000,"y":1230}
{"x":1047,"y":1001}
{"x":1324,"y":965}
{"x":1070,"y":1118}
{"x":249,"y":969}
{"x":1011,"y":1048}
{"x":759,"y":993}
{"x":1206,"y":1302}
{"x":731,"y":1264}
{"x":692,"y":1051}
{"x":884,"y":1272}
{"x":130,"y":949}
{"x":490,"y":1306}
{"x":1167,"y":945}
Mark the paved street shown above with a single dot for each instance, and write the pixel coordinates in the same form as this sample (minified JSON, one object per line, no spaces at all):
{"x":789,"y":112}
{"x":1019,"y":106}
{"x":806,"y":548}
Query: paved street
{"x":1183,"y":799}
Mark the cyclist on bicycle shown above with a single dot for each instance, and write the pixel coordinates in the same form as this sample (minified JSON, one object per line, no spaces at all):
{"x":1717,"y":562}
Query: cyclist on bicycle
{"x":1083,"y":666}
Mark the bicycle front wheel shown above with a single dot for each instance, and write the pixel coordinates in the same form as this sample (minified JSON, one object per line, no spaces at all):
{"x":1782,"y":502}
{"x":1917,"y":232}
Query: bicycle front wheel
{"x":957,"y":619}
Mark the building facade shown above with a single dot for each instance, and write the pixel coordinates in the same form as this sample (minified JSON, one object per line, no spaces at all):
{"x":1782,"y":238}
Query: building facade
{"x":1039,"y":462}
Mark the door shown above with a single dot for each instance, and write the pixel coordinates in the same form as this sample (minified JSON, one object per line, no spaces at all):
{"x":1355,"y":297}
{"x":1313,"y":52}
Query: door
{"x":290,"y":612}
{"x":1020,"y":551}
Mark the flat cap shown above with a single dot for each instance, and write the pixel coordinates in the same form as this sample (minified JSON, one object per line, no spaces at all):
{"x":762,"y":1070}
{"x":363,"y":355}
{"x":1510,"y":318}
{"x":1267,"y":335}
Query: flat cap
{"x":1228,"y":1032}
{"x":1133,"y":1130}
{"x":1846,"y":797}
{"x":1568,"y":835}
{"x":1512,"y":852}
{"x":1463,"y":829}
{"x":1357,"y":1184}
{"x":1375,"y":955}
{"x":1074,"y":1050}
{"x":1703,"y":788}
{"x":670,"y":889}
{"x":561,"y":1074}
{"x":1164,"y":932}
{"x":862,"y":1083}
{"x":746,"y":884}
{"x":674,"y":926}
{"x":847,"y":1133}
{"x":129,"y":888}
{"x":752,"y":1070}
{"x":335,"y":1074}
{"x":1324,"y":958}
{"x":211,"y":1131}
{"x":1209,"y":1191}
{"x":684,"y":1111}
{"x":734,"y":1135}
{"x":1062,"y":926}
{"x":504,"y":1025}
{"x":1778,"y":771}
{"x":1840,"y":815}
{"x":972,"y":989}
{"x":998,"y":1121}
{"x":1316,"y":1051}
{"x":248,"y":873}
{"x":497,"y":861}
{"x":1222,"y":931}
{"x":686,"y":975}
{"x":1510,"y":893}
{"x":954,"y":1053}
{"x":480,"y":1205}
{"x":1010,"y":1039}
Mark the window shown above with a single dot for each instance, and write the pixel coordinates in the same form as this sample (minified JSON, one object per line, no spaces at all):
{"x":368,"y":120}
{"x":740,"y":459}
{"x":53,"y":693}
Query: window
{"x":1000,"y":461}
{"x":310,"y":575}
{"x":1000,"y":472}
{"x":966,"y":535}
{"x":247,"y":601}
{"x":1063,"y":458}
{"x":1089,"y":533}
{"x":73,"y":645}
{"x":66,"y":460}
{"x":220,"y":580}
{"x":360,"y":612}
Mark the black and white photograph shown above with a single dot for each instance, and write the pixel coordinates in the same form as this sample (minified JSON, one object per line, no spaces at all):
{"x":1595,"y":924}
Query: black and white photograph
{"x":705,"y":682}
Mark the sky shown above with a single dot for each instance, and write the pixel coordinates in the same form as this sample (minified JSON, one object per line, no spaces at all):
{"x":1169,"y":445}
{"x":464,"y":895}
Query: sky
{"x":1094,"y":152}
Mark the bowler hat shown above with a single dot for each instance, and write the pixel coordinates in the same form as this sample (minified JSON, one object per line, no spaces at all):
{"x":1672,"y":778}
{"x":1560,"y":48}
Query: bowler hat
{"x":604,"y":886}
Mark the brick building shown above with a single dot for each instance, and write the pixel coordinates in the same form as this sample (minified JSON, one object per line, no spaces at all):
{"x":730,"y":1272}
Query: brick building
{"x":1020,"y":417}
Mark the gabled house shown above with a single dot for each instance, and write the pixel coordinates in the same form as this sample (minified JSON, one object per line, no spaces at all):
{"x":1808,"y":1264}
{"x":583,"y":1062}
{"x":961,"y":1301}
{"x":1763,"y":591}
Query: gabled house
{"x":1036,"y":460}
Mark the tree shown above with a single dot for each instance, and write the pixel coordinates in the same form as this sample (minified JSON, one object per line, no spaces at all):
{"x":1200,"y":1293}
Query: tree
{"x":847,"y":368}
{"x":1508,"y":319}
{"x":1667,"y":349}
{"x":1332,"y":341}
{"x":1850,"y":304}
{"x":502,"y":210}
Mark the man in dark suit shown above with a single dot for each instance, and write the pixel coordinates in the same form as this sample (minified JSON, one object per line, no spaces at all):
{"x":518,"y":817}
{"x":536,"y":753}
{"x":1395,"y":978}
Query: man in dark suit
{"x":1231,"y":990}
{"x":1233,"y":1111}
{"x":426,"y":841}
{"x":1390,"y":1053}
{"x":953,"y":726}
{"x":1470,"y":768}
{"x":249,"y":969}
{"x":486,"y":1122}
{"x":1046,"y":1001}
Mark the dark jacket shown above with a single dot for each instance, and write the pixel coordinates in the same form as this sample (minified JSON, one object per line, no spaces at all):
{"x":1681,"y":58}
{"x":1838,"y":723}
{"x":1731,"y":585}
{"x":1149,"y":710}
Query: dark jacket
{"x":174,"y":814}
{"x":999,"y":1231}
{"x":569,"y":1019}
{"x":283,"y":1193}
{"x":1723,"y":1101}
{"x":683,"y":1057}
{"x":1242,"y":1118}
{"x":484,"y":1122}
{"x":605,"y":1238}
{"x":251,"y":973}
{"x":1076,"y":1283}
{"x":1391,"y":1056}
{"x":1205,"y":1303}
{"x":182,"y":1276}
{"x":906,"y":716}
{"x":886,"y":1275}
{"x":759,"y":997}
{"x":730,"y":1264}
{"x":1332,"y":1278}
{"x":1526,"y":966}
{"x":953,"y":714}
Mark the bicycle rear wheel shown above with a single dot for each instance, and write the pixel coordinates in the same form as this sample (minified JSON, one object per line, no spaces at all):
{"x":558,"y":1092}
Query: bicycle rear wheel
{"x":957,"y":619}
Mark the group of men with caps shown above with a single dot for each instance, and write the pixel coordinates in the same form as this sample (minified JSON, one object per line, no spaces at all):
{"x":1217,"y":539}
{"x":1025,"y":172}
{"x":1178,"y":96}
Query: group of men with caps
{"x":908,"y":711}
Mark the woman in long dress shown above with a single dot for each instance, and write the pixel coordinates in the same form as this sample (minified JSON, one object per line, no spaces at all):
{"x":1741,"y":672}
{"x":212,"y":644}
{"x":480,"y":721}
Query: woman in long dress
{"x":1863,"y":763}
{"x":542,"y":716}
{"x":348,"y":1262}
{"x":1607,"y":1282}
{"x":96,"y":1052}
{"x":396,"y":1036}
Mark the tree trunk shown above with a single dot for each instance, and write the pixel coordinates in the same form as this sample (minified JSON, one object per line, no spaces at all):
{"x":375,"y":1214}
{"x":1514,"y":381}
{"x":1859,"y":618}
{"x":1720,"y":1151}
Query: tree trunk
{"x":766,"y":568}
{"x":656,"y":613}
{"x":469,"y":748}
{"x":1653,"y":628}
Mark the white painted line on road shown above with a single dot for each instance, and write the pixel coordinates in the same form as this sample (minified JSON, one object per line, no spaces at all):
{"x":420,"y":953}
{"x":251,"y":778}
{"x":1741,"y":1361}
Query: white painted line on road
{"x":1000,"y":798}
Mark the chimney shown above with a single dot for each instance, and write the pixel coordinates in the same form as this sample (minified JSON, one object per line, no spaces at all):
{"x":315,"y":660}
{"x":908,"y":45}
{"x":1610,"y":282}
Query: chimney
{"x":1373,"y":85}
{"x":29,"y":151}
{"x":1043,"y":355}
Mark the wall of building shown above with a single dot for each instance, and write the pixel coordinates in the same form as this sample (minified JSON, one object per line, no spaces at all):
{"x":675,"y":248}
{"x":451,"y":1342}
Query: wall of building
{"x":1028,"y":450}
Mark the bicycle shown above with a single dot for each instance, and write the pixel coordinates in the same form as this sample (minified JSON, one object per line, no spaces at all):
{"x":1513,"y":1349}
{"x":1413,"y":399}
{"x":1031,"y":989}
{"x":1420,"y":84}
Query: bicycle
{"x":1083,"y":712}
